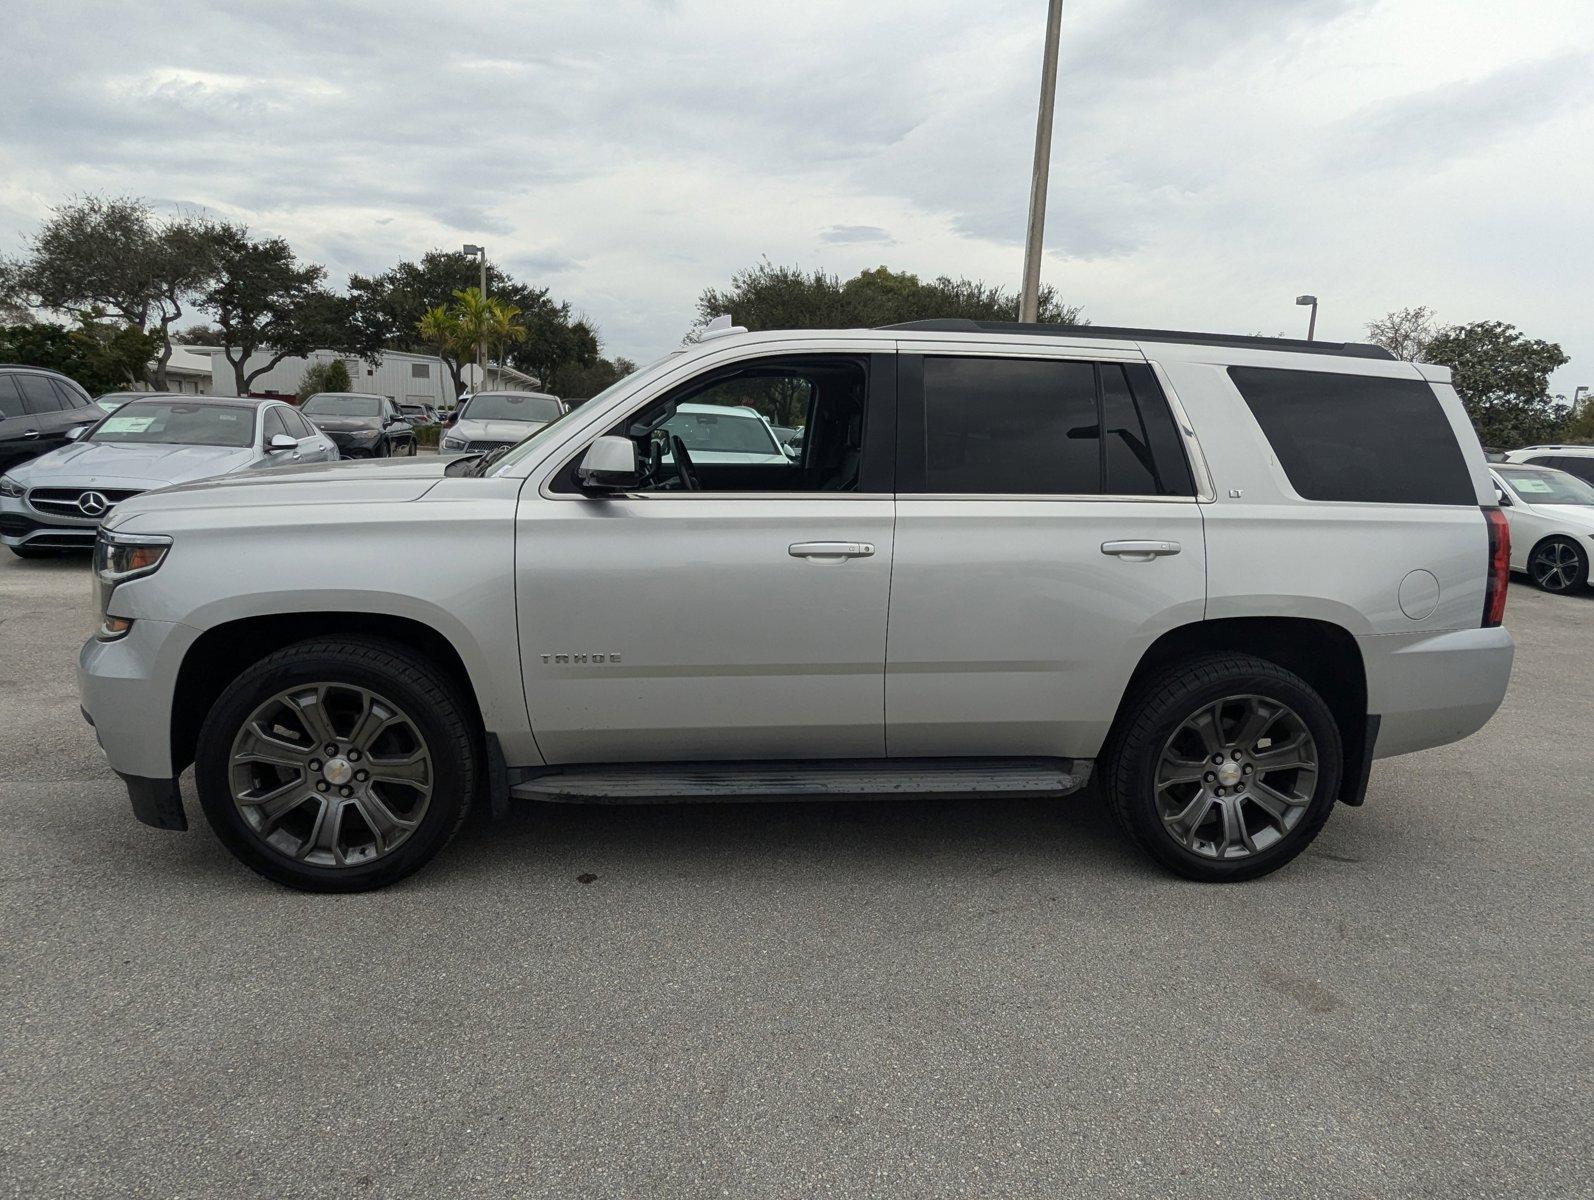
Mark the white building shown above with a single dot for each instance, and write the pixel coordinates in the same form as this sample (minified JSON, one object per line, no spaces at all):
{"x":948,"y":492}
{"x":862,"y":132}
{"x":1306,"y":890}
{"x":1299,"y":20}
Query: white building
{"x":402,"y":376}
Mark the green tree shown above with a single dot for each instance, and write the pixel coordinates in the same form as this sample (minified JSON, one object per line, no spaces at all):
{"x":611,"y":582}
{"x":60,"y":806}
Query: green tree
{"x":264,"y":300}
{"x":1503,"y":378}
{"x":103,"y":356}
{"x":577,"y":381}
{"x":324,"y":377}
{"x":391,"y":306}
{"x":439,"y":330}
{"x":779,"y":297}
{"x":114,"y":256}
{"x":1580,"y":422}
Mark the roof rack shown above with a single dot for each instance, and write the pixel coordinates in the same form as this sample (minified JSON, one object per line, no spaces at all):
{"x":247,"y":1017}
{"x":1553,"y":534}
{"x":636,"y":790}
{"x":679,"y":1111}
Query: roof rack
{"x":1297,"y":345}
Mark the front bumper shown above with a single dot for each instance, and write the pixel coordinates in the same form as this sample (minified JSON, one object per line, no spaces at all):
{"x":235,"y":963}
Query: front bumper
{"x":23,"y":525}
{"x":1432,"y":689}
{"x":349,"y":447}
{"x":126,"y":688}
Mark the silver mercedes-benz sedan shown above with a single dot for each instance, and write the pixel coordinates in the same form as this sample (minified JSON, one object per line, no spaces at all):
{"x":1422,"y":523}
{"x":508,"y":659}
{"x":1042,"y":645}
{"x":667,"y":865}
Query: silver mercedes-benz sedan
{"x":55,"y":502}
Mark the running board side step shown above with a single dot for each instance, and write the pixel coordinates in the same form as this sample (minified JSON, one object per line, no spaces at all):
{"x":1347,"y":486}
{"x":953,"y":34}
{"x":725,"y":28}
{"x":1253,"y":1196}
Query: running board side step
{"x":833,"y":779}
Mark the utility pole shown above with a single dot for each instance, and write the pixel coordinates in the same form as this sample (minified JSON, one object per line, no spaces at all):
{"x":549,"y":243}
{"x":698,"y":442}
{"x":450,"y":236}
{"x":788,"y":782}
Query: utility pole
{"x":1029,"y":297}
{"x":481,"y":334}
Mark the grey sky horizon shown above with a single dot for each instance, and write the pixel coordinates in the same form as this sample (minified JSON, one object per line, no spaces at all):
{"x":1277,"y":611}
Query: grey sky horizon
{"x":1211,"y":160}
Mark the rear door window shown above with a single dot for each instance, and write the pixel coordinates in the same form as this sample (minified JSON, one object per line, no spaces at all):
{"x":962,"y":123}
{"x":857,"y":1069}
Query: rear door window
{"x":1014,"y":426}
{"x":10,"y":398}
{"x":274,"y":424}
{"x":38,"y":396}
{"x":1577,"y":465}
{"x":69,"y":397}
{"x":1357,"y":438}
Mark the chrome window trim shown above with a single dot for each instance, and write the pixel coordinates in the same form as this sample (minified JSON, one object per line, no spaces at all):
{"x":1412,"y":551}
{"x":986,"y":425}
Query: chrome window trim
{"x":1206,"y":490}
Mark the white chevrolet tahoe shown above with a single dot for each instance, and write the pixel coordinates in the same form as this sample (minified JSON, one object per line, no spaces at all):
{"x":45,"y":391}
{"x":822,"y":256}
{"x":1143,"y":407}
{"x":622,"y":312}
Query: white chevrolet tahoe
{"x":1221,"y":574}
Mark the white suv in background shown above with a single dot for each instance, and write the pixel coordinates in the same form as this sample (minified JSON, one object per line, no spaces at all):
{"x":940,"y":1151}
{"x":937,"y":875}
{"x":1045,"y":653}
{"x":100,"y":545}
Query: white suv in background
{"x":1221,"y":574}
{"x":1574,"y":460}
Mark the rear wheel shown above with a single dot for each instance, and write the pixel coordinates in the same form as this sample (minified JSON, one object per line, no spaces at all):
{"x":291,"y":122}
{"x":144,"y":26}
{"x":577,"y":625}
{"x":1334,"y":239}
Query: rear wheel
{"x":1558,"y":564}
{"x":1226,"y":768}
{"x":337,"y":766}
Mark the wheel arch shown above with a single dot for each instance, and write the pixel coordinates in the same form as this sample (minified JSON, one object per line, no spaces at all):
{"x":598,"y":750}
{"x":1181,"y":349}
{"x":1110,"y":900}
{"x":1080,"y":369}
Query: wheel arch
{"x":1322,"y":653}
{"x":223,"y":651}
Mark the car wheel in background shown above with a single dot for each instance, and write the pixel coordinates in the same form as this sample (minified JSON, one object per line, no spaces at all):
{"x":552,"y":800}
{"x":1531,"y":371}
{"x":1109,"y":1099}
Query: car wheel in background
{"x":337,"y":765}
{"x":1226,"y":767}
{"x":1558,"y":564}
{"x":380,"y":450}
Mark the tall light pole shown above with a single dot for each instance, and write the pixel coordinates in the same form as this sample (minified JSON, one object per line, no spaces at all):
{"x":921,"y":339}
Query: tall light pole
{"x":481,"y":334}
{"x":1311,"y":325}
{"x":1029,"y":296}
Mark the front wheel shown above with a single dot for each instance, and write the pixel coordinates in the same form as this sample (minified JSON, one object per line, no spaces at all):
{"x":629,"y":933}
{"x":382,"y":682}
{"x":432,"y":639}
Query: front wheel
{"x":1225,"y":768}
{"x":1558,"y":565}
{"x":337,"y":765}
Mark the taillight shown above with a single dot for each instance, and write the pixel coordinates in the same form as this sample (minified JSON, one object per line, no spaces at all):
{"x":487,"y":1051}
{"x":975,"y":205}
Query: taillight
{"x":1499,"y":567}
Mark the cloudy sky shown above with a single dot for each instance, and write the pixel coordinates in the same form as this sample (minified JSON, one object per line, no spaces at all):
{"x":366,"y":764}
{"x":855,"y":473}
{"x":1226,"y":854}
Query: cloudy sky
{"x":1213,"y":158}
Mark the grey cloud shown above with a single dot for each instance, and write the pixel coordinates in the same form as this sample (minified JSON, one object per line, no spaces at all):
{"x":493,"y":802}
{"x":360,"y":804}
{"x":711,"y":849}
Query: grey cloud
{"x":854,"y":235}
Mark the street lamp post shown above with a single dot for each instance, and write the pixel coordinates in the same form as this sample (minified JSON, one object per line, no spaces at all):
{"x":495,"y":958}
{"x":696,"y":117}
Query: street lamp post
{"x":481,"y":334}
{"x":1029,"y":295}
{"x":1311,"y":325}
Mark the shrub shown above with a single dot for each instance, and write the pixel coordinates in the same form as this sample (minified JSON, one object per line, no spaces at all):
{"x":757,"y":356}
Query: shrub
{"x":324,"y":377}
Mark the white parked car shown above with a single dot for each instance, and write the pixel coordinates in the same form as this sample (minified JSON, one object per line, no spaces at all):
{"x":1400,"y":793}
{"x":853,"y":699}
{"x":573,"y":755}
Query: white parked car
{"x":720,"y":434}
{"x":491,"y":421}
{"x":1574,"y":460}
{"x":56,"y":501}
{"x":1552,"y":524}
{"x":1224,"y":574}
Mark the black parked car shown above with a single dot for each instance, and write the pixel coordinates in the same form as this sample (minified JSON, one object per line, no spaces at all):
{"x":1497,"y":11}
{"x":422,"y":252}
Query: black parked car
{"x":363,"y":425}
{"x":37,"y":407}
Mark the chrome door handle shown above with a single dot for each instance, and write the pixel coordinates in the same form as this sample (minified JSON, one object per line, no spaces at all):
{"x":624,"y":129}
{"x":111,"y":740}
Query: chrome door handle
{"x":830,"y":549}
{"x":30,"y":433}
{"x":1140,"y":551}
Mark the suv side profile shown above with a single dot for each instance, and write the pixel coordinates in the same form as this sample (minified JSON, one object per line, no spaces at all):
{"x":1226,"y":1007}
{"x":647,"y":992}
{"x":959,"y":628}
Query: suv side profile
{"x":1221,"y":575}
{"x":37,"y":408}
{"x":1574,"y":460}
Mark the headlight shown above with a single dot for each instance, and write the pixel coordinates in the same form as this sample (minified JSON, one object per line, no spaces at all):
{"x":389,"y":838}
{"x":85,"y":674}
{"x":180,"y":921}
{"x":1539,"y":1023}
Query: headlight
{"x":119,"y":557}
{"x":453,"y":443}
{"x":10,"y":487}
{"x":365,"y":435}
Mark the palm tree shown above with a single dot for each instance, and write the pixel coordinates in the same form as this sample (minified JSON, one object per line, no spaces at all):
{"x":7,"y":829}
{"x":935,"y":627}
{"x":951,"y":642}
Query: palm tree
{"x":441,"y":328}
{"x":502,"y":328}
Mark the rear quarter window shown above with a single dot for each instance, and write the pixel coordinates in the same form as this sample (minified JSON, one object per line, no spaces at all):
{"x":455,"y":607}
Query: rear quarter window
{"x":1357,"y":438}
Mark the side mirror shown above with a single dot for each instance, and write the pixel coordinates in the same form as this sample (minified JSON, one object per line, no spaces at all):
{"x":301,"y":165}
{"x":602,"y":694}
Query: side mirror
{"x":76,"y":432}
{"x":610,"y":465}
{"x":281,"y":441}
{"x":1501,"y":498}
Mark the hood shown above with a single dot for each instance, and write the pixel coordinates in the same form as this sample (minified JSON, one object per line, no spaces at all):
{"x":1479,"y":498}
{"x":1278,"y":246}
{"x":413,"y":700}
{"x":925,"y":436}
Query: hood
{"x":494,"y":431}
{"x":129,"y":464}
{"x":377,"y":479}
{"x":1573,"y":516}
{"x":344,"y":424}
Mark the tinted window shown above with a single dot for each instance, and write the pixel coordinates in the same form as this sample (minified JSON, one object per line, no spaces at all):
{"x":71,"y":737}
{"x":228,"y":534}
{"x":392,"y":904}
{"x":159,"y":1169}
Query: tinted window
{"x":1012,"y":426}
{"x":37,"y":394}
{"x":336,"y":404}
{"x":1357,"y":438}
{"x":1143,"y":452}
{"x":70,"y":398}
{"x":272,"y":423}
{"x":1583,"y":468}
{"x":298,"y":425}
{"x":501,"y":406}
{"x":10,"y":398}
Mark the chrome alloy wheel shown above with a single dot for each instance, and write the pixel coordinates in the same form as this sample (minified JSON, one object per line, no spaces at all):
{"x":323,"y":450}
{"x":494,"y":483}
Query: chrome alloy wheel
{"x":330,"y":774}
{"x":1555,"y":566}
{"x":1236,"y":777}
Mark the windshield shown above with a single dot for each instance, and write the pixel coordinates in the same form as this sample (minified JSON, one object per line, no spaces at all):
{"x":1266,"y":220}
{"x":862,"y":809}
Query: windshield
{"x":147,"y":422}
{"x":551,"y":429}
{"x":504,"y":406}
{"x":330,"y":404}
{"x":1547,"y":487}
{"x":707,"y":427}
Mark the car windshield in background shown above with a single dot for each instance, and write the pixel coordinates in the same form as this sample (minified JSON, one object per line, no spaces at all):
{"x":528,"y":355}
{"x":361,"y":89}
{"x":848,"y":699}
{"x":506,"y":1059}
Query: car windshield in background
{"x":727,"y":430}
{"x":1547,"y":487}
{"x":333,"y":405}
{"x":496,"y":406}
{"x":178,"y":424}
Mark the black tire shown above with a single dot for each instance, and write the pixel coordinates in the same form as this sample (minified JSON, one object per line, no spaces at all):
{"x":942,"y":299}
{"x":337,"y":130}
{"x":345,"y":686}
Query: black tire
{"x":1569,"y":575}
{"x":1157,"y":709}
{"x":381,"y":450}
{"x":423,"y":692}
{"x":36,"y":552}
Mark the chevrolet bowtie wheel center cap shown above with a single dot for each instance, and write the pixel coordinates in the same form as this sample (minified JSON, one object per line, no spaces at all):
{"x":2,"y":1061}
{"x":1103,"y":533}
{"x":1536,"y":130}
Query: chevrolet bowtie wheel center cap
{"x":1228,"y":774}
{"x":337,"y":771}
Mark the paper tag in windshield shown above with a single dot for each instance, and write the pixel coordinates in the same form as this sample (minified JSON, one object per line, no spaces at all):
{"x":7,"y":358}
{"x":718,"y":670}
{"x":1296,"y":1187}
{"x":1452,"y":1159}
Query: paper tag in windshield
{"x":126,"y":424}
{"x":1542,"y":487}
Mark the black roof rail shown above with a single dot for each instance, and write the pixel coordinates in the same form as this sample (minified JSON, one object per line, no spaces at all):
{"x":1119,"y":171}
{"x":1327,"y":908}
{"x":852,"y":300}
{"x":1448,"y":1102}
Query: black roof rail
{"x":1237,"y":340}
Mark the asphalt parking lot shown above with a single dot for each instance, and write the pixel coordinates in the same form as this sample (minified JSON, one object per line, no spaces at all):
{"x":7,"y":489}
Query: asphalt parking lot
{"x":889,"y":999}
